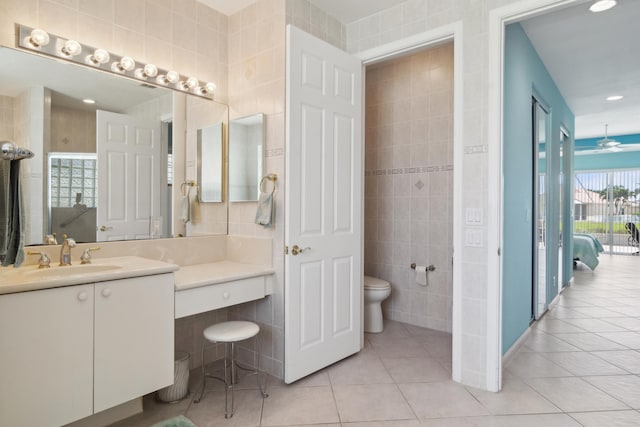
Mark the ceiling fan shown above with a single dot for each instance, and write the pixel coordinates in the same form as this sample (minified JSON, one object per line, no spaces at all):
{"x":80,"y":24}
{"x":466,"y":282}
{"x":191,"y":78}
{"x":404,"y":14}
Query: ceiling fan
{"x":607,"y":143}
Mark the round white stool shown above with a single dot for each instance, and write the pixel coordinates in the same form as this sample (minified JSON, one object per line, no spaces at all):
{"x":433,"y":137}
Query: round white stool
{"x":230,"y":333}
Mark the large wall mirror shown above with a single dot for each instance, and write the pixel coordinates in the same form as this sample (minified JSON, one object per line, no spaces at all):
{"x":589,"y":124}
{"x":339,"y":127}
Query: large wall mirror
{"x":105,"y":147}
{"x":246,"y":144}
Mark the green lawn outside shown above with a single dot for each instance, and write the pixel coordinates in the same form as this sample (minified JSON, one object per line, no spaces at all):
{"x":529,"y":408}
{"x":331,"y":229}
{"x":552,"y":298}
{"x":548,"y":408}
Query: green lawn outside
{"x":598,"y":227}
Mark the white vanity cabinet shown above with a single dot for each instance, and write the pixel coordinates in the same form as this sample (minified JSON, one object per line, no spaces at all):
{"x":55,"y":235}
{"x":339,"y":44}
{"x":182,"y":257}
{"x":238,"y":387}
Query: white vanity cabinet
{"x":46,"y":356}
{"x":69,"y":352}
{"x":134,"y":324}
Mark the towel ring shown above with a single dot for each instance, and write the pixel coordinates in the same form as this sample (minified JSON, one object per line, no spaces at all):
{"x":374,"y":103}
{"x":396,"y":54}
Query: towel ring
{"x":271,"y":177}
{"x":189,"y":184}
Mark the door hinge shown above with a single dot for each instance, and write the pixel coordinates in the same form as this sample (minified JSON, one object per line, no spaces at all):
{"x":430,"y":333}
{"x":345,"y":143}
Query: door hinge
{"x":498,"y":251}
{"x":286,"y":250}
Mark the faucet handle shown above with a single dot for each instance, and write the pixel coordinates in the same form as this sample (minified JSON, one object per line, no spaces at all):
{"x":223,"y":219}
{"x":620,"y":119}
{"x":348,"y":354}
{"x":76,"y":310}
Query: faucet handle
{"x":44,"y":261}
{"x":86,"y":255}
{"x":50,"y":239}
{"x":69,"y":240}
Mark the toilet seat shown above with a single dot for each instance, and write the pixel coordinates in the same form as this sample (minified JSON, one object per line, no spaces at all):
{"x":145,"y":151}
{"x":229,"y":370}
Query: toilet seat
{"x":375,"y":284}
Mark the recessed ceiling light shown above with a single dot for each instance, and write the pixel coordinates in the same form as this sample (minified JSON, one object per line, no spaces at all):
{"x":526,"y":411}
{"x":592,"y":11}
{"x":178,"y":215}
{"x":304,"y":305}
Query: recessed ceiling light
{"x":614,"y":97}
{"x":88,"y":101}
{"x":602,"y":5}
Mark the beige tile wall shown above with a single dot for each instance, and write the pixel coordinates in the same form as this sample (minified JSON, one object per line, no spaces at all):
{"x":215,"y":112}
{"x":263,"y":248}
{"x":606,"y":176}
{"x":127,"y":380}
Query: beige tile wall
{"x":72,"y":130}
{"x":308,"y":17}
{"x":408,"y":183}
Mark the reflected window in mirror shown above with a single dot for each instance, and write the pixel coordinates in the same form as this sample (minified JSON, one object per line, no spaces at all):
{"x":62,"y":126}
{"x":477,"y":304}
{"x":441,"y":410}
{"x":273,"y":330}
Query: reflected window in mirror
{"x":73,"y":195}
{"x":246,"y":146}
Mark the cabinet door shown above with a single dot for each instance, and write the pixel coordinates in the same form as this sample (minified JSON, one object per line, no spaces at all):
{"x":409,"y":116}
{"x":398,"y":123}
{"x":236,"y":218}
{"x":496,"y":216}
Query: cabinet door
{"x":46,"y":356}
{"x":133,"y":338}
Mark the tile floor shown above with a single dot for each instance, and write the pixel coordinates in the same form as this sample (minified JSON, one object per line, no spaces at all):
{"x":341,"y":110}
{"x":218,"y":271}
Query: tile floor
{"x":580,"y":366}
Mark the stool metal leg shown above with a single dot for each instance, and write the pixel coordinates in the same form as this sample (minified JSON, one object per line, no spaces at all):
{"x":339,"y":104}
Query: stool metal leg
{"x":229,"y":379}
{"x":204,"y":375}
{"x":263,"y":386}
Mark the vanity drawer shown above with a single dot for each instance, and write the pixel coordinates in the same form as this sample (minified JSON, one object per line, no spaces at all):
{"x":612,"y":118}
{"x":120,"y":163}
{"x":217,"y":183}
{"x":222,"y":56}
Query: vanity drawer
{"x":219,"y":295}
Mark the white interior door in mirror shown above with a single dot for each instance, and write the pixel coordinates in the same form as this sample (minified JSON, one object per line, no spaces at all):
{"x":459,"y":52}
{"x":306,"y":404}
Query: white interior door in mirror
{"x":246,"y":142}
{"x":129,"y":161}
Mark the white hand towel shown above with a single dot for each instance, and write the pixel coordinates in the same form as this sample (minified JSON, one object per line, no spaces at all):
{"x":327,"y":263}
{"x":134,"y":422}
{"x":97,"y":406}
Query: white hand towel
{"x":421,"y":275}
{"x":264,"y":213}
{"x":185,"y":207}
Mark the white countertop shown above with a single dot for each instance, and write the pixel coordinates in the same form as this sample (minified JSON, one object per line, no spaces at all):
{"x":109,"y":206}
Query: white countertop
{"x":30,"y":278}
{"x":198,"y":275}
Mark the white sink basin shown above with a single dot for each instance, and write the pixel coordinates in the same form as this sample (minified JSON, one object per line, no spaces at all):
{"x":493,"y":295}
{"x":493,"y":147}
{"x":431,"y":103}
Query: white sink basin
{"x":30,"y":277}
{"x":69,"y":270}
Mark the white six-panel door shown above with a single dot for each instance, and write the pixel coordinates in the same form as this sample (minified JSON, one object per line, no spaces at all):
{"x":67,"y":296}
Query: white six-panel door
{"x":128,"y":175}
{"x":323,"y":205}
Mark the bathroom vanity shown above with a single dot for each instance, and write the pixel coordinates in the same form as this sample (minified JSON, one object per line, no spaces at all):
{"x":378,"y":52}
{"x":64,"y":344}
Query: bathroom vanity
{"x":78,"y":343}
{"x":211,"y":286}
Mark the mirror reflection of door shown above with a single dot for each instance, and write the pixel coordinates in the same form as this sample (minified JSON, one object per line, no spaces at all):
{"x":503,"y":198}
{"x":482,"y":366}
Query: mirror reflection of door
{"x":539,"y":259}
{"x":129,"y":169}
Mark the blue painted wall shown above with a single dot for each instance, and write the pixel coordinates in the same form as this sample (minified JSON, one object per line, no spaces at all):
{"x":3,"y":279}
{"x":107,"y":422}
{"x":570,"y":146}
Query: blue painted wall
{"x":524,"y":76}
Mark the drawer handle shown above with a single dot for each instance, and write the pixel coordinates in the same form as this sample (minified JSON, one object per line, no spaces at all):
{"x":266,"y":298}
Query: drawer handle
{"x":106,"y":292}
{"x":82,"y":296}
{"x":226,"y":295}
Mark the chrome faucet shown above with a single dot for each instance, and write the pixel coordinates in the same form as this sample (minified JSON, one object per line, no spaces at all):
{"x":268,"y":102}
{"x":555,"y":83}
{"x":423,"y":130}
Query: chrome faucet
{"x":65,"y":250}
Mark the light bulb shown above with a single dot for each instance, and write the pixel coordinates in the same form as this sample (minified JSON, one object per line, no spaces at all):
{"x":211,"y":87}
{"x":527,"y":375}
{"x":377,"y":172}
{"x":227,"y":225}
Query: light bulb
{"x":72,"y":48}
{"x":191,"y":82}
{"x":38,"y":38}
{"x":126,"y":64}
{"x":173,"y":77}
{"x":188,"y":84}
{"x":100,"y":56}
{"x":207,"y":88}
{"x":149,"y":70}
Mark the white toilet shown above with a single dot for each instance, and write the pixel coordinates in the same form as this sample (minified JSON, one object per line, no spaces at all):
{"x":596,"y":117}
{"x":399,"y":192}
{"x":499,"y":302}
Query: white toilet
{"x":375,"y":291}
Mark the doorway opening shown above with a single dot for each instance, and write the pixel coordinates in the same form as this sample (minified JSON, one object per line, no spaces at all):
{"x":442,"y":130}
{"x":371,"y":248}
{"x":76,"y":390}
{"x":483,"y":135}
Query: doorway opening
{"x":409,"y":183}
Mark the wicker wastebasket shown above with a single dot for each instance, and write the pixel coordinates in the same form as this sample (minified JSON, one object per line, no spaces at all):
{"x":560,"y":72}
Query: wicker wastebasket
{"x":180,"y":387}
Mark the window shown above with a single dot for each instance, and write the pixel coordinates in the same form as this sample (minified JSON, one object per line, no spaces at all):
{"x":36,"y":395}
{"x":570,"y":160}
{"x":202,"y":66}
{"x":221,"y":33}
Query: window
{"x":72,"y":180}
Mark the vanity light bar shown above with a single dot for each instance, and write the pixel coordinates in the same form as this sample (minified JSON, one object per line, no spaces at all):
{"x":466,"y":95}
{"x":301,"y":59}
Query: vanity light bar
{"x":37,"y":40}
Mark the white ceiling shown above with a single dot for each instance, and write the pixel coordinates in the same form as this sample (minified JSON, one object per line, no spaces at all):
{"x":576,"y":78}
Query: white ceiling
{"x":591,"y":56}
{"x":347,"y":11}
{"x":228,"y":7}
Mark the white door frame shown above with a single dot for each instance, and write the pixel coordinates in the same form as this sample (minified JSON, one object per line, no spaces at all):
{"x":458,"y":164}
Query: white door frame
{"x":452,"y":32}
{"x":499,"y":18}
